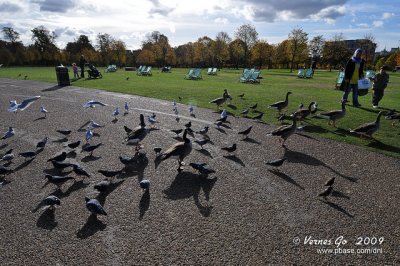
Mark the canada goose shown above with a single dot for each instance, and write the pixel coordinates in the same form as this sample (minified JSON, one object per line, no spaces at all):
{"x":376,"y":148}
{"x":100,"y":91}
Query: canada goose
{"x":281,"y":104}
{"x":177,"y":151}
{"x":393,"y":115}
{"x":334,"y":115}
{"x":220,"y":101}
{"x":284,"y":132}
{"x":368,"y":129}
{"x":138,"y":133}
{"x":303,"y":113}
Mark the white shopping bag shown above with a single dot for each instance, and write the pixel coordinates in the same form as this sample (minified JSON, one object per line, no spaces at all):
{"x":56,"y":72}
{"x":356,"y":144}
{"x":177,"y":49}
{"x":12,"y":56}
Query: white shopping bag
{"x":364,"y":83}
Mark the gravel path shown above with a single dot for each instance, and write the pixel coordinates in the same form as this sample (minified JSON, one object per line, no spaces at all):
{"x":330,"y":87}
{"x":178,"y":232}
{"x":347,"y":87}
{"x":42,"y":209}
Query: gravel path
{"x":244,"y":214}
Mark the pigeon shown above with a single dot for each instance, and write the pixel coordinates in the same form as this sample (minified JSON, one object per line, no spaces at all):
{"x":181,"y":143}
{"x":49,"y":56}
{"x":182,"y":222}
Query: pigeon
{"x":203,"y":131}
{"x":42,"y":143}
{"x":10,"y":132}
{"x":241,"y":96}
{"x":180,"y":98}
{"x":89,"y":134}
{"x":59,"y":158}
{"x":145,"y":185}
{"x":277,"y":162}
{"x":203,"y":168}
{"x":109,"y":173}
{"x":64,"y":132}
{"x":230,"y":149}
{"x":80,"y":171}
{"x":189,"y":124}
{"x":153,"y":115}
{"x":74,"y":145}
{"x":177,"y":131}
{"x":201,"y":142}
{"x":173,"y":103}
{"x":7,"y":157}
{"x":9,"y":151}
{"x":14,"y":106}
{"x":94,"y":206}
{"x":93,"y":103}
{"x":5,"y":171}
{"x":91,"y":148}
{"x":126,"y":160}
{"x":191,"y":109}
{"x":28,"y":154}
{"x":58,"y":180}
{"x":116,"y":112}
{"x":94,"y":125}
{"x":26,"y":76}
{"x":218,"y":123}
{"x":51,"y":201}
{"x":223,"y":119}
{"x":326,"y":192}
{"x":245,"y":132}
{"x":330,"y":182}
{"x":224,"y":114}
{"x":103,"y":185}
{"x":43,"y":111}
{"x":126,"y":108}
{"x":152,"y":121}
{"x":127,"y":78}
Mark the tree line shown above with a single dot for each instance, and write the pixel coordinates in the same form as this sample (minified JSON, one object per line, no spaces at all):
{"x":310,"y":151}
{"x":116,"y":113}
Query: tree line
{"x":245,"y":49}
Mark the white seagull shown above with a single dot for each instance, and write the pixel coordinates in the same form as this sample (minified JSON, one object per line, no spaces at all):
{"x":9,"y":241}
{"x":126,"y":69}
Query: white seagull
{"x":14,"y":106}
{"x":93,"y":103}
{"x":89,"y":134}
{"x":43,"y":110}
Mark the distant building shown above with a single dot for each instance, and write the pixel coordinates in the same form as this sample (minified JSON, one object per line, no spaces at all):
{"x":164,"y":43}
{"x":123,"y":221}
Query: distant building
{"x":367,"y":46}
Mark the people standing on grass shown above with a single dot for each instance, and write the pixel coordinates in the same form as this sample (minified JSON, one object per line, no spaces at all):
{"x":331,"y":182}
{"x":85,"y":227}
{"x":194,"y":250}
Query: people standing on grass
{"x":75,"y":70}
{"x":353,"y":72}
{"x":380,"y":81}
{"x":82,"y":63}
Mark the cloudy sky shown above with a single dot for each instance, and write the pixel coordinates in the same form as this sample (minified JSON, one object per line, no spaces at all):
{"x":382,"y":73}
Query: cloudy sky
{"x":185,"y":21}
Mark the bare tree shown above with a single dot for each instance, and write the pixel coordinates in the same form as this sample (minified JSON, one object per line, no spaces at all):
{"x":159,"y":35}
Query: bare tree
{"x":10,"y":34}
{"x":249,"y":36}
{"x":298,"y":45}
{"x":315,"y":47}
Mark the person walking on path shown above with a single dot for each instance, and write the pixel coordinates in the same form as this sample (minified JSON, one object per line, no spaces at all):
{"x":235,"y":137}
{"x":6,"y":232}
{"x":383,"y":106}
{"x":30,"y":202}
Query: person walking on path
{"x":353,"y":72}
{"x":82,"y":63}
{"x":380,"y":80}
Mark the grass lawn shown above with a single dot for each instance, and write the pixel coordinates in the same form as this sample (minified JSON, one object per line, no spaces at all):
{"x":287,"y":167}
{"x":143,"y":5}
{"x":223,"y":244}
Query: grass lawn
{"x":273,"y":87}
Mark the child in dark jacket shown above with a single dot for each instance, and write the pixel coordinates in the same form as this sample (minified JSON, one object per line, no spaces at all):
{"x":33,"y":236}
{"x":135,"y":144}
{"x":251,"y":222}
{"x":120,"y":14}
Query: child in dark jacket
{"x":380,"y":80}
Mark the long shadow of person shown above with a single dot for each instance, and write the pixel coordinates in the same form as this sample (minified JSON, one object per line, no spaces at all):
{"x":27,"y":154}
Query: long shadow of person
{"x":91,"y":227}
{"x":189,"y":185}
{"x":47,"y":219}
{"x":144,"y":204}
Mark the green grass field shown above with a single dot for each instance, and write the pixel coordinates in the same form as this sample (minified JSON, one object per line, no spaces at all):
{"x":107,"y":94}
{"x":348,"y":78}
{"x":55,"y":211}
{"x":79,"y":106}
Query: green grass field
{"x":273,"y":87}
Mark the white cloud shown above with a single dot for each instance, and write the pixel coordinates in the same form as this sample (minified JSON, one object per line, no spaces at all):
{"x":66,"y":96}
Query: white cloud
{"x":222,"y":21}
{"x":387,"y":15}
{"x":377,"y":23}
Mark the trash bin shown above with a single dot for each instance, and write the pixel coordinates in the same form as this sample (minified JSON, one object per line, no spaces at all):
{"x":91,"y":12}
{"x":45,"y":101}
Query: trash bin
{"x":62,"y":76}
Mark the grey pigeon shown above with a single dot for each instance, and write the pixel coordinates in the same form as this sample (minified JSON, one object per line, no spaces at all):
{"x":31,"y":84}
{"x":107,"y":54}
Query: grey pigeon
{"x":10,"y":132}
{"x":61,"y":165}
{"x":94,"y":206}
{"x":51,"y":201}
{"x":203,"y":131}
{"x":145,"y":184}
{"x":78,"y":170}
{"x":58,"y":180}
{"x":245,"y":132}
{"x":28,"y":154}
{"x":5,"y":171}
{"x":90,"y":148}
{"x":7,"y":157}
{"x":42,"y":143}
{"x":110,"y":173}
{"x":201,"y":142}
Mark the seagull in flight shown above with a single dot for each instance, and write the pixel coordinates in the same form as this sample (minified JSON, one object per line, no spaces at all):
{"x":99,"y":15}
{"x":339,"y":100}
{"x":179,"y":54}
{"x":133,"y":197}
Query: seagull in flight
{"x":14,"y":106}
{"x":93,"y":103}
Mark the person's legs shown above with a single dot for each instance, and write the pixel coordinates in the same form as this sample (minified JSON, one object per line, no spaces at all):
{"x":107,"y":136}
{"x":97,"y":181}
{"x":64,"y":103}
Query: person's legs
{"x":82,"y":72}
{"x":376,"y":97}
{"x":346,"y":92}
{"x":355,"y":94}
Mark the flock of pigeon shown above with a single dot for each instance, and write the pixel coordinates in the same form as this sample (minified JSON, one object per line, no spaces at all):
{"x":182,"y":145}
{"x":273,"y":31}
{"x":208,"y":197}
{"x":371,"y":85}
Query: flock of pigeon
{"x":178,"y":151}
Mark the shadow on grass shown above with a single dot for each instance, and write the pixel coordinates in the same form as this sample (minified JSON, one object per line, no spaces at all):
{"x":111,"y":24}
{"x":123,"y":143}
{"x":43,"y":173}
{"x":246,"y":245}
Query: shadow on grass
{"x":189,"y":185}
{"x":382,"y":146}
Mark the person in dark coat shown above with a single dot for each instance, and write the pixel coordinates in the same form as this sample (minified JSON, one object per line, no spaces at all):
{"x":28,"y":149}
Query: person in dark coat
{"x":378,"y":87}
{"x":82,"y":63}
{"x":353,"y":72}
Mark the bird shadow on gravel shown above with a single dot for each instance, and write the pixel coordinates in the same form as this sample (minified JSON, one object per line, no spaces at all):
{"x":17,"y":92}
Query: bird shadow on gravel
{"x":101,"y":197}
{"x":39,"y":118}
{"x":205,"y":152}
{"x":251,"y":140}
{"x":23,"y":165}
{"x":47,"y":220}
{"x":53,"y":88}
{"x":189,"y":185}
{"x":235,"y":159}
{"x":90,"y":158}
{"x":339,"y":194}
{"x":337,"y":207}
{"x":299,"y":157}
{"x":2,"y":146}
{"x":144,"y":204}
{"x":91,"y":227}
{"x":285,"y":177}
